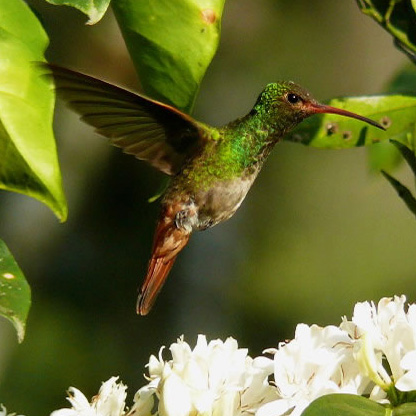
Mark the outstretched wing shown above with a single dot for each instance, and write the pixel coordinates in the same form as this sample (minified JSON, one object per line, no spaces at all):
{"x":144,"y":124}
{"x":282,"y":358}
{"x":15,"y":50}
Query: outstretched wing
{"x":152,"y":131}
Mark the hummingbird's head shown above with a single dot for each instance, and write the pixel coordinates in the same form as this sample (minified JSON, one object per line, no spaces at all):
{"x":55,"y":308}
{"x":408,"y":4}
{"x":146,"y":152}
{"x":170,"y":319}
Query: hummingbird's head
{"x":285,"y":104}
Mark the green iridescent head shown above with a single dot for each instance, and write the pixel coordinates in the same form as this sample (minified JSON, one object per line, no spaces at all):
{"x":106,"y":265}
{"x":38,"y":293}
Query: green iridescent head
{"x":284,"y":104}
{"x":281,"y":91}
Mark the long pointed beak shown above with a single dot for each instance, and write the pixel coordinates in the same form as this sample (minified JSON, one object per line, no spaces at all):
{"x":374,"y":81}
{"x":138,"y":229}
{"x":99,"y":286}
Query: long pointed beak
{"x":321,"y":108}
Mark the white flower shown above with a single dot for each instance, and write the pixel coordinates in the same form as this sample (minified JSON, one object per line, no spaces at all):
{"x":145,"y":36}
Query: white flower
{"x":144,"y":400}
{"x":220,"y":379}
{"x":110,"y":401}
{"x":385,"y":333}
{"x":215,"y":378}
{"x":3,"y":411}
{"x":407,"y":382}
{"x":318,"y":361}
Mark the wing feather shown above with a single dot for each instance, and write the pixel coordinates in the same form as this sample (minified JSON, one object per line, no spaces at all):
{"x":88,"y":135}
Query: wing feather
{"x":152,"y":131}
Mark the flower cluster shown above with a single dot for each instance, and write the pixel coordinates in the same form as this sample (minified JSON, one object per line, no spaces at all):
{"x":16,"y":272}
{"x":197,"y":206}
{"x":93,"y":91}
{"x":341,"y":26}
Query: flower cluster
{"x":373,"y":354}
{"x":385,"y":338}
{"x":212,"y":379}
{"x":316,"y":362}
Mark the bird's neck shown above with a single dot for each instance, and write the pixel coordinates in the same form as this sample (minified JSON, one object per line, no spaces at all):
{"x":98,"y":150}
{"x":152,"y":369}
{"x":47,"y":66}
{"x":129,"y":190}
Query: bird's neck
{"x":252,"y":137}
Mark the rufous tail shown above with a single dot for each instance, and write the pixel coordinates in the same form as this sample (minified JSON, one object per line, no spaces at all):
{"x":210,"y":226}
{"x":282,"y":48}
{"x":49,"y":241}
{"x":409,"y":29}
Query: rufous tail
{"x":168,"y":242}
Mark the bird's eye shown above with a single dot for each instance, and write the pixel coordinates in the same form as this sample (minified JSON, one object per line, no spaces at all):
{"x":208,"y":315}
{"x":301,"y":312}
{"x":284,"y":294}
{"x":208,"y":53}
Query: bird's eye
{"x":293,"y":98}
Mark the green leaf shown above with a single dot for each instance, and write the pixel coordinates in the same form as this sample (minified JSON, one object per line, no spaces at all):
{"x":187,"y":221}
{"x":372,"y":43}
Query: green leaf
{"x":407,"y":409}
{"x":29,"y":163}
{"x":385,"y":156}
{"x":344,"y":405}
{"x":14,"y":292}
{"x":408,"y":154}
{"x":402,"y":191}
{"x":404,"y":81}
{"x":397,"y":17}
{"x":94,"y":9}
{"x":396,"y":112}
{"x":171,"y":44}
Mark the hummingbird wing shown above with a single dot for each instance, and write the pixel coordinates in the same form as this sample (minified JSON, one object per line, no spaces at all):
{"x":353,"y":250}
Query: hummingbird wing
{"x":150,"y":130}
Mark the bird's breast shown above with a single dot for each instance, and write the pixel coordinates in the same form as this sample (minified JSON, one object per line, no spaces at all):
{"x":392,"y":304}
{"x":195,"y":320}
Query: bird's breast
{"x":221,"y":200}
{"x":209,"y":191}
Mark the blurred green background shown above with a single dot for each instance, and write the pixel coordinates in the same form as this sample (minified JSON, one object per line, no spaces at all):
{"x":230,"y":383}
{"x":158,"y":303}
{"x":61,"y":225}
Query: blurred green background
{"x":317,"y":233}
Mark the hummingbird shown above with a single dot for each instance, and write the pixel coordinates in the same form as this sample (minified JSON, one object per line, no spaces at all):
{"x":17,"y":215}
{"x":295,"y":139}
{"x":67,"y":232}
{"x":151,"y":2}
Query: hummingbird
{"x":211,"y":169}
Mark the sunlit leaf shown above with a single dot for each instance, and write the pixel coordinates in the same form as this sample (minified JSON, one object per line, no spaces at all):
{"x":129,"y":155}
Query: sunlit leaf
{"x":385,"y":156}
{"x":404,"y":81}
{"x":345,"y":405}
{"x":14,"y":292}
{"x":395,"y":112}
{"x":29,"y":162}
{"x":171,"y":44}
{"x":94,"y":9}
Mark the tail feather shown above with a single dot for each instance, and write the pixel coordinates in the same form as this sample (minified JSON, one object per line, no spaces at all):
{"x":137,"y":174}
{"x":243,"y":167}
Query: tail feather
{"x":159,"y":269}
{"x":168,"y":242}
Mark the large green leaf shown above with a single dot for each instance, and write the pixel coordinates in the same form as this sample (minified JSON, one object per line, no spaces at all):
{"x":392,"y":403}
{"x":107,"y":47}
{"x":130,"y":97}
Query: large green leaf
{"x":94,"y":9}
{"x":397,"y":17}
{"x":407,"y":409}
{"x":396,"y":112}
{"x":171,"y":44}
{"x":14,"y":292}
{"x":345,"y":405}
{"x":29,"y":162}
